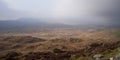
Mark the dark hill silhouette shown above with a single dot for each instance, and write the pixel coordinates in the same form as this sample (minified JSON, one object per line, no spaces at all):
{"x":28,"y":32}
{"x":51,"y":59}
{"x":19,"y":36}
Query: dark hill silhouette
{"x":29,"y":23}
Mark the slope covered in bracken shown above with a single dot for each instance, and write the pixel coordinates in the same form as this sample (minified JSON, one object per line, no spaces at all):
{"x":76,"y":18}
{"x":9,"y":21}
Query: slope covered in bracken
{"x":59,"y":45}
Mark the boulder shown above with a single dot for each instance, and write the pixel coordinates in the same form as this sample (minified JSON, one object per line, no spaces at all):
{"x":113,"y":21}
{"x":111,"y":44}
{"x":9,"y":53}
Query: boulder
{"x":97,"y":57}
{"x":117,"y":57}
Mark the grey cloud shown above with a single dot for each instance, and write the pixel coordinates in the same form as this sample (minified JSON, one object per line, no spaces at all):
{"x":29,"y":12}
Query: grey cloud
{"x":7,"y":13}
{"x":76,"y":11}
{"x":111,"y":10}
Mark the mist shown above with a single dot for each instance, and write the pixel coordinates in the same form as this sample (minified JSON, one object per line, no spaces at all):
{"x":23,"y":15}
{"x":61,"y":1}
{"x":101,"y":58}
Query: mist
{"x":62,"y":11}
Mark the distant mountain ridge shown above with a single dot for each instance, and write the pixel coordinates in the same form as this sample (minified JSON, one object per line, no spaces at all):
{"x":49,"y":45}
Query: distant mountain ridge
{"x":29,"y":23}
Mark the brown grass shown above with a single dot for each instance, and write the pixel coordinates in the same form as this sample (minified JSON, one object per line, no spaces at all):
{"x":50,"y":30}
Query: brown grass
{"x":75,"y":40}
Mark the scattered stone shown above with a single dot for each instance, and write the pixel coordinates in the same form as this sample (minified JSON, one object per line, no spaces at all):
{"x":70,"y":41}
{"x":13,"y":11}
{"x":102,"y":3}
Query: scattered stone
{"x":97,"y":57}
{"x":111,"y":58}
{"x":117,"y":57}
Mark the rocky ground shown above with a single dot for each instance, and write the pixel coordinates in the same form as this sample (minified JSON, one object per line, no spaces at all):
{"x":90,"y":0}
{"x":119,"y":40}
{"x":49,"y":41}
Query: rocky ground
{"x":91,"y":45}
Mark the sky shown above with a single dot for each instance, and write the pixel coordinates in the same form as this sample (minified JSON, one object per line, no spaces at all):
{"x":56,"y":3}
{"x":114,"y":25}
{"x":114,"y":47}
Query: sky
{"x":62,"y":11}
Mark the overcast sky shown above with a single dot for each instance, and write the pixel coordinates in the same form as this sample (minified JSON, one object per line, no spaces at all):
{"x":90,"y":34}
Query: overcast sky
{"x":64,"y":11}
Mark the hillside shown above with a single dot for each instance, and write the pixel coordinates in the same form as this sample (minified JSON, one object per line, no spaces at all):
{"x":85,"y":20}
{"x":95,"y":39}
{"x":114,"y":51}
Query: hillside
{"x":27,"y":24}
{"x":30,"y":24}
{"x":80,"y":45}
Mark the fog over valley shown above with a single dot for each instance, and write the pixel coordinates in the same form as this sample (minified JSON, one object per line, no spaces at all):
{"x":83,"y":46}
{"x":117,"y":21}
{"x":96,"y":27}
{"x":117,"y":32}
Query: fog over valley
{"x":28,"y":14}
{"x":71,"y":12}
